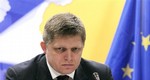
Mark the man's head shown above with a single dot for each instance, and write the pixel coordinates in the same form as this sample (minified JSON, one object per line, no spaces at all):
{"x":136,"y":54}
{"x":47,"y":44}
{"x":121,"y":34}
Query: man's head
{"x":64,"y":36}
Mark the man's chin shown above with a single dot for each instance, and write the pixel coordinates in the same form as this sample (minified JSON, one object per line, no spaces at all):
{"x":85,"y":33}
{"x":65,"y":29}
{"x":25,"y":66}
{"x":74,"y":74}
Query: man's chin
{"x":67,"y":71}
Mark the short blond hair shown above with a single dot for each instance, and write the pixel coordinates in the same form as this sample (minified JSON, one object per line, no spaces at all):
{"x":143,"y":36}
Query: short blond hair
{"x":63,"y":24}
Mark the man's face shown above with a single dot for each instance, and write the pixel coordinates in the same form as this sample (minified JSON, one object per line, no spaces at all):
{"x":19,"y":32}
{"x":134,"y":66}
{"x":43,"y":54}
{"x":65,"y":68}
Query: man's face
{"x":64,"y":53}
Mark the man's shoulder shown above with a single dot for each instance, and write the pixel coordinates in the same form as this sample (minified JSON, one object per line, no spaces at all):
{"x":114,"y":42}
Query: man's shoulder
{"x":93,"y":66}
{"x":91,"y":63}
{"x":29,"y":63}
{"x":25,"y":67}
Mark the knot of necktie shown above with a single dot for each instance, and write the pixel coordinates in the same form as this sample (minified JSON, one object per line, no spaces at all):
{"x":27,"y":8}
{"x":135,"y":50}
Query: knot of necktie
{"x":63,"y":77}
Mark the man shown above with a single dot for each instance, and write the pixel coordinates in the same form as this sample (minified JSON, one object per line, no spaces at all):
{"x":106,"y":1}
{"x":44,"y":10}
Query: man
{"x":63,"y":42}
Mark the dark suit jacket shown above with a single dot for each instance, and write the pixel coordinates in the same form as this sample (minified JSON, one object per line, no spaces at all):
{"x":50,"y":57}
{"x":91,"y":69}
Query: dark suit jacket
{"x":36,"y":69}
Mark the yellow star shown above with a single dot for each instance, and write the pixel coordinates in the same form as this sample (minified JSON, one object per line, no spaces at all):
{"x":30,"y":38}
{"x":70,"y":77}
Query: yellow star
{"x":127,"y":71}
{"x":146,"y":42}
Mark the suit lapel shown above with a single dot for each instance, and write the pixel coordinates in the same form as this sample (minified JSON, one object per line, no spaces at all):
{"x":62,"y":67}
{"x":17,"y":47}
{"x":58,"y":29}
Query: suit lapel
{"x":80,"y":74}
{"x":42,"y":70}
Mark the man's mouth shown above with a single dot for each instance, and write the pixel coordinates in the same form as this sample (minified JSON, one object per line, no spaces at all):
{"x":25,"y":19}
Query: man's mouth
{"x":67,"y":64}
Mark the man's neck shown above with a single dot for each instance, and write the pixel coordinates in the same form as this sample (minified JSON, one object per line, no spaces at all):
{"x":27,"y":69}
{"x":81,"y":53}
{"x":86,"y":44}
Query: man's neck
{"x":54,"y":73}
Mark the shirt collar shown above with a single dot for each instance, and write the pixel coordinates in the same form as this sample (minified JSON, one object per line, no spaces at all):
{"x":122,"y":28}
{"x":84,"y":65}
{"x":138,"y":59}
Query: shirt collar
{"x":54,"y":73}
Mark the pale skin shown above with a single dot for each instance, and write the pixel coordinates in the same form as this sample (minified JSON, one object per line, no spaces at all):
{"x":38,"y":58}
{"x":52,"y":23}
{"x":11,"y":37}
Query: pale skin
{"x":64,"y":53}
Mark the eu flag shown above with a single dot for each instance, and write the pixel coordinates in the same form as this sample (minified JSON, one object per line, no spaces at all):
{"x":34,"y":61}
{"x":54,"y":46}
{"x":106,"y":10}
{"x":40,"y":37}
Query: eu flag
{"x":129,"y":56}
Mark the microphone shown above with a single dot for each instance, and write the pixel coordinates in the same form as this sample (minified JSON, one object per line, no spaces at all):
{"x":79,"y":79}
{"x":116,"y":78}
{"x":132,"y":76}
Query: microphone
{"x":96,"y":76}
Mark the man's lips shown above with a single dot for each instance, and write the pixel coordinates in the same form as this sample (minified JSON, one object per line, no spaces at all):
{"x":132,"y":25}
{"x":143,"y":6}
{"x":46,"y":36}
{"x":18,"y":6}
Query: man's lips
{"x":67,"y":64}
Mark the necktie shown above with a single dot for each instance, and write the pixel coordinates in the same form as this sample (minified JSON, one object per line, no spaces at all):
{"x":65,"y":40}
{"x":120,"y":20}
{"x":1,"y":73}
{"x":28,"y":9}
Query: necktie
{"x":64,"y":77}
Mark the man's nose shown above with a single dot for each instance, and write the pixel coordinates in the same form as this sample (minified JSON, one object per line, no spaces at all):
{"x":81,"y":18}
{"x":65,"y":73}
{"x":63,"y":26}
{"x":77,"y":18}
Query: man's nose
{"x":68,"y":55}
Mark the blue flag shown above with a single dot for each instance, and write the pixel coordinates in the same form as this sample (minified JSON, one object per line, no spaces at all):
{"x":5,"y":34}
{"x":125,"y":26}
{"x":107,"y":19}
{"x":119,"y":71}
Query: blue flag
{"x":129,"y":56}
{"x":12,"y":10}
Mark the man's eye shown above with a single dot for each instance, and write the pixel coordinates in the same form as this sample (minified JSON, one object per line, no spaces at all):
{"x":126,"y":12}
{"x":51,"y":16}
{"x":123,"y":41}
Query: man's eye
{"x":60,"y":49}
{"x":75,"y":49}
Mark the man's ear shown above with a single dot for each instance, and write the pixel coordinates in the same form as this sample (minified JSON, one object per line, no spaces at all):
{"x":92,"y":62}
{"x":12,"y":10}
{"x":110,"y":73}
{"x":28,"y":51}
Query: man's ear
{"x":43,"y":46}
